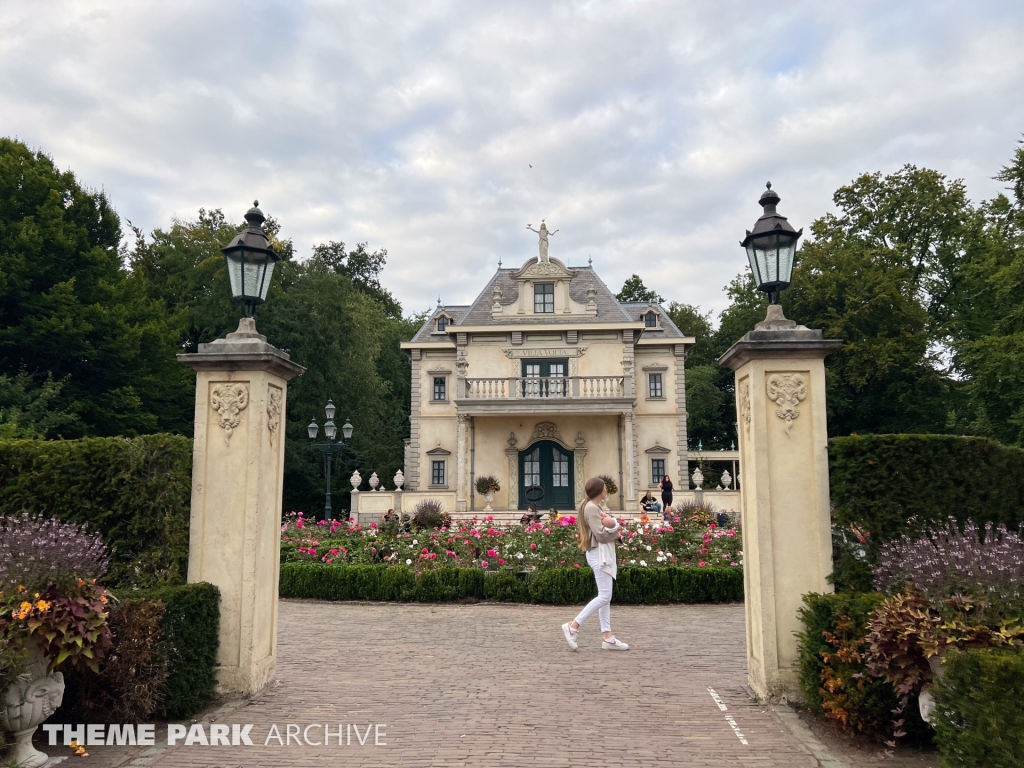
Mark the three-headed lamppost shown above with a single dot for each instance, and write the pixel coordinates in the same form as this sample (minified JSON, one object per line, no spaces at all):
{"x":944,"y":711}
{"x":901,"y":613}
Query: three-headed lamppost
{"x":330,"y":447}
{"x":251,"y":263}
{"x":771,"y":250}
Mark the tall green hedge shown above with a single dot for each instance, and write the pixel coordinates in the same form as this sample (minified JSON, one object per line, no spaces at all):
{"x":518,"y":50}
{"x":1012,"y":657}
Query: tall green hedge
{"x":978,"y":716}
{"x":135,"y":492}
{"x":559,"y":586}
{"x":892,"y":485}
{"x":190,"y":634}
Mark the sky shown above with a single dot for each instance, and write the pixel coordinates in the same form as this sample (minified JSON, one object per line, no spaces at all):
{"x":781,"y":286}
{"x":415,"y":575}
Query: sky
{"x":643,"y":131}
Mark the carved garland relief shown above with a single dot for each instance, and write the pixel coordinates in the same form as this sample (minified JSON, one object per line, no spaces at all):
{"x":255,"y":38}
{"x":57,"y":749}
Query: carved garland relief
{"x":745,"y":404}
{"x":787,"y":390}
{"x":274,"y":402}
{"x":229,"y":400}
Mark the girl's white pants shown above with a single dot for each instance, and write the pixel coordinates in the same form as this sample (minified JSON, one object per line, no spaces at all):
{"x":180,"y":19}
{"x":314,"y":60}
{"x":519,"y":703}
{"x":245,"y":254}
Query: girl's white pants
{"x":601,"y":603}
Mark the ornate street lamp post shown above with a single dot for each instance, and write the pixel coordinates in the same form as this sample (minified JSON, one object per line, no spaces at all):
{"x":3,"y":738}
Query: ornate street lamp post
{"x":330,"y":447}
{"x":250,"y":261}
{"x":771,"y":248}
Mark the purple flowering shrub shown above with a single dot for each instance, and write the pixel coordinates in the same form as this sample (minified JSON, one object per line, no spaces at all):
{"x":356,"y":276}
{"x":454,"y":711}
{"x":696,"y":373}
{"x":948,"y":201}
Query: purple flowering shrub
{"x":38,"y":552}
{"x":987,"y":569}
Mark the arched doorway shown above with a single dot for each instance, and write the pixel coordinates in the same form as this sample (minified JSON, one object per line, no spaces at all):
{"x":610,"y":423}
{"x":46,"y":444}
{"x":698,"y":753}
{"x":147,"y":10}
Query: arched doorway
{"x":546,"y":476}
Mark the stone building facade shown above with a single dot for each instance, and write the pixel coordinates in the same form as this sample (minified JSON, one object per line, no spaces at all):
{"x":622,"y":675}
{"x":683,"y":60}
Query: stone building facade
{"x":545,"y":380}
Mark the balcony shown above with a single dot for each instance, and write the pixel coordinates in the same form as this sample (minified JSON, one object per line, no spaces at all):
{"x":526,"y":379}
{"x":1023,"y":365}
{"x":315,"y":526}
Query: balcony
{"x":548,"y":394}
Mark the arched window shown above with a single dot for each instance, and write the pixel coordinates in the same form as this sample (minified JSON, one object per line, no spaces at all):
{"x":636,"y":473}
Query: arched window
{"x":650,"y":320}
{"x":442,"y":323}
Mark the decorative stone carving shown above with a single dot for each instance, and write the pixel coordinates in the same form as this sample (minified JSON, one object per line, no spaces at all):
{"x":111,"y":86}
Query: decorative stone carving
{"x":580,"y":441}
{"x":545,"y":430}
{"x":229,"y":400}
{"x":698,"y":478}
{"x":570,"y":352}
{"x":356,"y":480}
{"x":274,"y":402}
{"x":727,"y":480}
{"x":787,"y":390}
{"x":399,"y":480}
{"x":512,"y":440}
{"x":745,"y":404}
{"x":26,"y":704}
{"x":542,"y":234}
{"x":374,"y":481}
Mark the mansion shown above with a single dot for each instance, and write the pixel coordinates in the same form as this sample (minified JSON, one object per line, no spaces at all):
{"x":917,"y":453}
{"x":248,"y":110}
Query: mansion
{"x":545,"y":380}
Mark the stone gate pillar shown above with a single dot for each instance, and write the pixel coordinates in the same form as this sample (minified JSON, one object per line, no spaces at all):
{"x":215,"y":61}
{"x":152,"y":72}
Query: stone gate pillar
{"x":237,"y":473}
{"x":787,"y":542}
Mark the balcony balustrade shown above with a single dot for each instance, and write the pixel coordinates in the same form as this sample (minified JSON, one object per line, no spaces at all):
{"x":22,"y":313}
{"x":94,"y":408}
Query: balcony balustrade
{"x":544,"y":387}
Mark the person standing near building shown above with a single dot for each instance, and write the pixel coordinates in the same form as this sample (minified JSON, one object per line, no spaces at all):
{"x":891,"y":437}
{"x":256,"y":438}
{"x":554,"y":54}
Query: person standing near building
{"x":598,"y":533}
{"x":666,"y":493}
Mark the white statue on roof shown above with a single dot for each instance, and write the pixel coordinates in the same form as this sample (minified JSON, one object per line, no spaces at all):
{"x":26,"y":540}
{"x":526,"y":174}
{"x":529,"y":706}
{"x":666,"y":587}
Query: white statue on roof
{"x":544,"y":234}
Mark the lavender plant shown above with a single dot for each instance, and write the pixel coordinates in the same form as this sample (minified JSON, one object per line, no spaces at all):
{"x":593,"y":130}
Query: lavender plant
{"x":948,"y":563}
{"x":38,"y":552}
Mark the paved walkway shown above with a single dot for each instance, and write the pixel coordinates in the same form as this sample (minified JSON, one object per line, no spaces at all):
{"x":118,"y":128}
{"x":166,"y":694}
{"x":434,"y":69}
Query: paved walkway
{"x":496,"y":685}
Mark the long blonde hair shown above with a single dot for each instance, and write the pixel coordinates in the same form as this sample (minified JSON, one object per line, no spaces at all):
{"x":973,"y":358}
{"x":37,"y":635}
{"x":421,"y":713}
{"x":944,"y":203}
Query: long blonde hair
{"x":593,"y":489}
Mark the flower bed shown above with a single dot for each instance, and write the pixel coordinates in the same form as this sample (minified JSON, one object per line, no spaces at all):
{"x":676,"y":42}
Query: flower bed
{"x":480,"y":543}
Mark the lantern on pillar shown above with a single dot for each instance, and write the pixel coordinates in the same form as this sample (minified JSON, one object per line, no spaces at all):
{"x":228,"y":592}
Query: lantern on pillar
{"x":250,"y":261}
{"x":771,"y":247}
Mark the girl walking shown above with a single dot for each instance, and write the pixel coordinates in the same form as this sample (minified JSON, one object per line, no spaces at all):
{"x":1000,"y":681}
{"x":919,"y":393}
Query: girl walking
{"x":598,"y":533}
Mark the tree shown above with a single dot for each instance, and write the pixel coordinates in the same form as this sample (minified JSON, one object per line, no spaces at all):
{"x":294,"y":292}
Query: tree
{"x":69,"y":311}
{"x":635,"y":290}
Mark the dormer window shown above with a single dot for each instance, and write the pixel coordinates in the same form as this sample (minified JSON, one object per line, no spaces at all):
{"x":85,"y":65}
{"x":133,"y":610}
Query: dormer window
{"x":442,"y":324}
{"x":650,"y":320}
{"x":543,"y":298}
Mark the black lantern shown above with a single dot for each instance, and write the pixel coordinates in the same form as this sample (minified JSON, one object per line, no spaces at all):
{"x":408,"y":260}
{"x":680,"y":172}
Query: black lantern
{"x":250,"y":262}
{"x":771,"y":248}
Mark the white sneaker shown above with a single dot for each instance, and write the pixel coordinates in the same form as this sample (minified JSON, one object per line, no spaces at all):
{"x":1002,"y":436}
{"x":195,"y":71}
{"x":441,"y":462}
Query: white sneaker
{"x":570,"y":635}
{"x":613,"y":645}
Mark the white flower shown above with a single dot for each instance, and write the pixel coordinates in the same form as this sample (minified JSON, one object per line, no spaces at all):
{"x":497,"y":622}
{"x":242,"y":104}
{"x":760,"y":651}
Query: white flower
{"x":519,"y":555}
{"x":648,"y":547}
{"x":408,"y":561}
{"x":643,"y":563}
{"x":414,"y":541}
{"x":632,"y":562}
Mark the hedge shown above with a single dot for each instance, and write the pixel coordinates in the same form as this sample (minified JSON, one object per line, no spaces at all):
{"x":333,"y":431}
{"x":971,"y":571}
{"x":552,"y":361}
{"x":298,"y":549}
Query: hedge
{"x":891,"y":485}
{"x":559,"y":586}
{"x":978,"y":716}
{"x":190,"y":628}
{"x":134,"y":492}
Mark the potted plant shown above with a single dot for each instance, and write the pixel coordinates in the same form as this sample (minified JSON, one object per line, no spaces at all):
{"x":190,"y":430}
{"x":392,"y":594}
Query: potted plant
{"x":487,"y":486}
{"x":611,"y":487}
{"x":52,"y":613}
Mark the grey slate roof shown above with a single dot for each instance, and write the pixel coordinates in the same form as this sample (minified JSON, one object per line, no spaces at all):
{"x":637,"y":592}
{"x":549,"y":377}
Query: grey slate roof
{"x":609,"y":309}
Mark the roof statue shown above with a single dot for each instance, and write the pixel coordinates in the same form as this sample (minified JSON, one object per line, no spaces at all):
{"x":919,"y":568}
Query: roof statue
{"x":544,"y":234}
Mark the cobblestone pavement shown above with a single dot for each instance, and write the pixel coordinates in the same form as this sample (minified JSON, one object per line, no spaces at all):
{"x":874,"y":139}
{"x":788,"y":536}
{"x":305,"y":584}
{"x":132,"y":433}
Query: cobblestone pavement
{"x":496,"y":685}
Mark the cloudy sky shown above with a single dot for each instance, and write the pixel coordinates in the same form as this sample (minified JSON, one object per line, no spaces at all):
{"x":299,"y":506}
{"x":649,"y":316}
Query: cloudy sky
{"x":643,"y":130}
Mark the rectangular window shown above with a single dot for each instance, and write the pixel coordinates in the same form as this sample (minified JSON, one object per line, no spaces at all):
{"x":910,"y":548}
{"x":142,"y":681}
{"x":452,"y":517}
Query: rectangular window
{"x":657,"y":470}
{"x":544,"y":297}
{"x":650,"y":320}
{"x":440,"y":388}
{"x":437,"y":473}
{"x":654,"y":385}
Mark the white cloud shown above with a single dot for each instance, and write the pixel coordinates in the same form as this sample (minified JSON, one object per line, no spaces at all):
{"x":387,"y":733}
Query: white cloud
{"x":651,"y":126}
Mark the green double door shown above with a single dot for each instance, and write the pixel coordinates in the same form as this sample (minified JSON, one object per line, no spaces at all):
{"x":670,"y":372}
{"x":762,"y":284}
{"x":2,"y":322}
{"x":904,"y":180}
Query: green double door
{"x":546,"y":476}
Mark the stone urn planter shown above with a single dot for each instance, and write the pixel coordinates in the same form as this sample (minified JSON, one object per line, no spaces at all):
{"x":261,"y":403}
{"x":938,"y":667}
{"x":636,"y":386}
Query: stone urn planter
{"x":26,"y":704}
{"x":488,"y":497}
{"x":925,"y":700}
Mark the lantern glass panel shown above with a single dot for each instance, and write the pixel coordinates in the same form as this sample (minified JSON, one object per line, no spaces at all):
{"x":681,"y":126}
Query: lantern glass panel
{"x":235,"y":271}
{"x":268,"y":273}
{"x":313,"y":428}
{"x":329,"y":409}
{"x":755,"y":267}
{"x":346,"y":429}
{"x":330,"y":430}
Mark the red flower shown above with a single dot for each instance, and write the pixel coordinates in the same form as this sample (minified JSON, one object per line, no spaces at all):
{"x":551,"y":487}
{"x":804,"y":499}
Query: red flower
{"x":575,"y":565}
{"x":491,"y":553}
{"x":501,"y":561}
{"x":702,"y":564}
{"x":533,"y":545}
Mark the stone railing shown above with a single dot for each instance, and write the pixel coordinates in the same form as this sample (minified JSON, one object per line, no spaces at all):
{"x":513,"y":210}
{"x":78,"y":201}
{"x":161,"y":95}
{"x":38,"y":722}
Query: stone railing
{"x":531,"y":387}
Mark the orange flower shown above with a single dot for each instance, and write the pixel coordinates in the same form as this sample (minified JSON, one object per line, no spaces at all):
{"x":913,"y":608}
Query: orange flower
{"x":42,"y":605}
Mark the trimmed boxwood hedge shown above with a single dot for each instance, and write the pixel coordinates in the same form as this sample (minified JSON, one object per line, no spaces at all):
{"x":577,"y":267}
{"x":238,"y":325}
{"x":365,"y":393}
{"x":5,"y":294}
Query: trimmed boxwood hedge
{"x":190,"y":634}
{"x":978,"y":716}
{"x":893,"y":485}
{"x":134,"y":492}
{"x":558,"y":586}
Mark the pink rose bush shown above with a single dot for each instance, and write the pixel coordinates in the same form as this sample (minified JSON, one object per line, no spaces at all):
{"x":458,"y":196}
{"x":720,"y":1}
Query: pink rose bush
{"x":481,"y":543}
